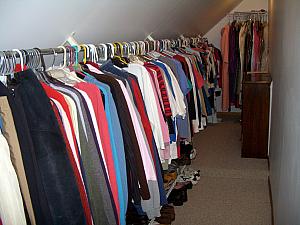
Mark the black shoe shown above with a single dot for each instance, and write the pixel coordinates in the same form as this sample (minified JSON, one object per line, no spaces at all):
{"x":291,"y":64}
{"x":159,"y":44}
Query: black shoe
{"x":175,"y":197}
{"x":183,"y":191}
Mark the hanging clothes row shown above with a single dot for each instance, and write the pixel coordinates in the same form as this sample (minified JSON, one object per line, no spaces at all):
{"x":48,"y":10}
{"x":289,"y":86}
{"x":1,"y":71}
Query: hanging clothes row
{"x":244,"y":46}
{"x":85,"y":142}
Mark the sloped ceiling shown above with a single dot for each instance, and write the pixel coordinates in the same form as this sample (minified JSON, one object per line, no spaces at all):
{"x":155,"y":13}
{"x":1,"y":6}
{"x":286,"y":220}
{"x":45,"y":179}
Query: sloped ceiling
{"x":38,"y":23}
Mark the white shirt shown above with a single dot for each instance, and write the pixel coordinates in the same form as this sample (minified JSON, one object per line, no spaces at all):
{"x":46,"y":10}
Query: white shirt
{"x":11,"y":204}
{"x":148,"y":95}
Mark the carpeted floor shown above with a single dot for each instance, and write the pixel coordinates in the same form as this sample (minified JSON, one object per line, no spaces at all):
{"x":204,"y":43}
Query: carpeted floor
{"x":232,"y":190}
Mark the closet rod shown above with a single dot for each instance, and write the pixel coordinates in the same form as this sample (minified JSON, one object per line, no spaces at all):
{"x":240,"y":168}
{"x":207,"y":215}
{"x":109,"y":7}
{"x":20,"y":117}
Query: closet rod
{"x":51,"y":51}
{"x":44,"y":51}
{"x":250,"y":13}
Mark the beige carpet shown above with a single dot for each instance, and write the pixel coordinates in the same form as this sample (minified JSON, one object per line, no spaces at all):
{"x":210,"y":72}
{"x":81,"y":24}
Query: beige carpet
{"x":232,"y":190}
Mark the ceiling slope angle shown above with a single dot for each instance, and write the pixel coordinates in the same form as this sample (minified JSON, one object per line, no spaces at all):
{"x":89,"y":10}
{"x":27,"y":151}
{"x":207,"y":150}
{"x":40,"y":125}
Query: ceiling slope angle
{"x":43,"y":24}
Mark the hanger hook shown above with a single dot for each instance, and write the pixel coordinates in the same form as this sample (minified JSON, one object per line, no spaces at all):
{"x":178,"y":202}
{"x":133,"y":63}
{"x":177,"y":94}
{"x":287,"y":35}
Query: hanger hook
{"x":64,"y":57}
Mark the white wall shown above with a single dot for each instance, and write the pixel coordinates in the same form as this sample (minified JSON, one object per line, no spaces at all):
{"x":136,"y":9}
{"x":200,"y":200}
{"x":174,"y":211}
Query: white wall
{"x":41,"y":23}
{"x":285,"y":127}
{"x":214,"y":34}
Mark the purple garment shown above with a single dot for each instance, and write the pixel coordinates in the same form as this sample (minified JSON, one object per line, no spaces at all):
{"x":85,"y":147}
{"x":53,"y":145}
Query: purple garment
{"x":233,"y":62}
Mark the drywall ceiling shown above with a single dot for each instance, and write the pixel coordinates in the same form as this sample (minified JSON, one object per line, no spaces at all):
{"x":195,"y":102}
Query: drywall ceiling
{"x":37,"y":23}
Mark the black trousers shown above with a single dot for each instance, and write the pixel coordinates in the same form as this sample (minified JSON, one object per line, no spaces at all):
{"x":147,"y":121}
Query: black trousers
{"x":53,"y":188}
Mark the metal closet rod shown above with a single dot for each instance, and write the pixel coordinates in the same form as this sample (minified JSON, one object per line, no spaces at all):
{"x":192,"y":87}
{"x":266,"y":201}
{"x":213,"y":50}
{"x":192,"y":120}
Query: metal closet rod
{"x":250,"y":13}
{"x":43,"y":51}
{"x":49,"y":51}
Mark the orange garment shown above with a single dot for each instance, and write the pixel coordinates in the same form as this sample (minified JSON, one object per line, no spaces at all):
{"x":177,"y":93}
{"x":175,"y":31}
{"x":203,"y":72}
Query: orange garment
{"x":225,"y":74}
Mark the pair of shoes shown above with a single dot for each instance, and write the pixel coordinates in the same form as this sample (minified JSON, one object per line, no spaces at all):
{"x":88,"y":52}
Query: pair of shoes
{"x":133,"y":218}
{"x":193,"y":173}
{"x":183,"y":160}
{"x":173,"y":166}
{"x":136,"y":219}
{"x":169,"y":176}
{"x":186,"y":149}
{"x":190,"y":175}
{"x":163,"y":220}
{"x":178,"y":195}
{"x":187,"y":183}
{"x":167,"y":215}
{"x":168,"y":209}
{"x":185,"y":178}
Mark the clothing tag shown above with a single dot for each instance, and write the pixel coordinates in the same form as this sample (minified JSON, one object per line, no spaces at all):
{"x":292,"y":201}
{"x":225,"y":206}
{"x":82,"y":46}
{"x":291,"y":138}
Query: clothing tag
{"x":3,"y":79}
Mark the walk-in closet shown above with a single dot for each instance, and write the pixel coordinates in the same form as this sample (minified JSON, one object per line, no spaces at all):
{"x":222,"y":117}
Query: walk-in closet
{"x":138,"y":112}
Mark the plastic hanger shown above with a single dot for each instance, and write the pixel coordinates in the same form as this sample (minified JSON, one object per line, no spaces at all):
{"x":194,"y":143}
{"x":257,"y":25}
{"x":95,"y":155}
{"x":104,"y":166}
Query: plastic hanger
{"x":6,"y":64}
{"x":64,"y":57}
{"x":90,"y":52}
{"x":5,"y":68}
{"x":120,"y":46}
{"x":135,"y":51}
{"x":84,"y":52}
{"x":129,"y":49}
{"x":53,"y":62}
{"x":116,"y":49}
{"x":105,"y":52}
{"x":112,"y":53}
{"x":147,"y":45}
{"x":137,"y":48}
{"x":125,"y":49}
{"x":2,"y":63}
{"x":64,"y":73}
{"x":21,"y":58}
{"x":10,"y":62}
{"x":132,"y":46}
{"x":68,"y":56}
{"x":142,"y":47}
{"x":30,"y":55}
{"x":94,"y":53}
{"x":76,"y":51}
{"x":37,"y":59}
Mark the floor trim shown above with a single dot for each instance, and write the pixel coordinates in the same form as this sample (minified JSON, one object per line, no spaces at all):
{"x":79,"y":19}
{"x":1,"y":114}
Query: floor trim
{"x":271,"y":201}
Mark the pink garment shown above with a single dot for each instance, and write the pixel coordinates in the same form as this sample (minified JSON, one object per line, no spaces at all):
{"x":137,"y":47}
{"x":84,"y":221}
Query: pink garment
{"x":256,"y":48}
{"x":145,"y":152}
{"x":225,"y":74}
